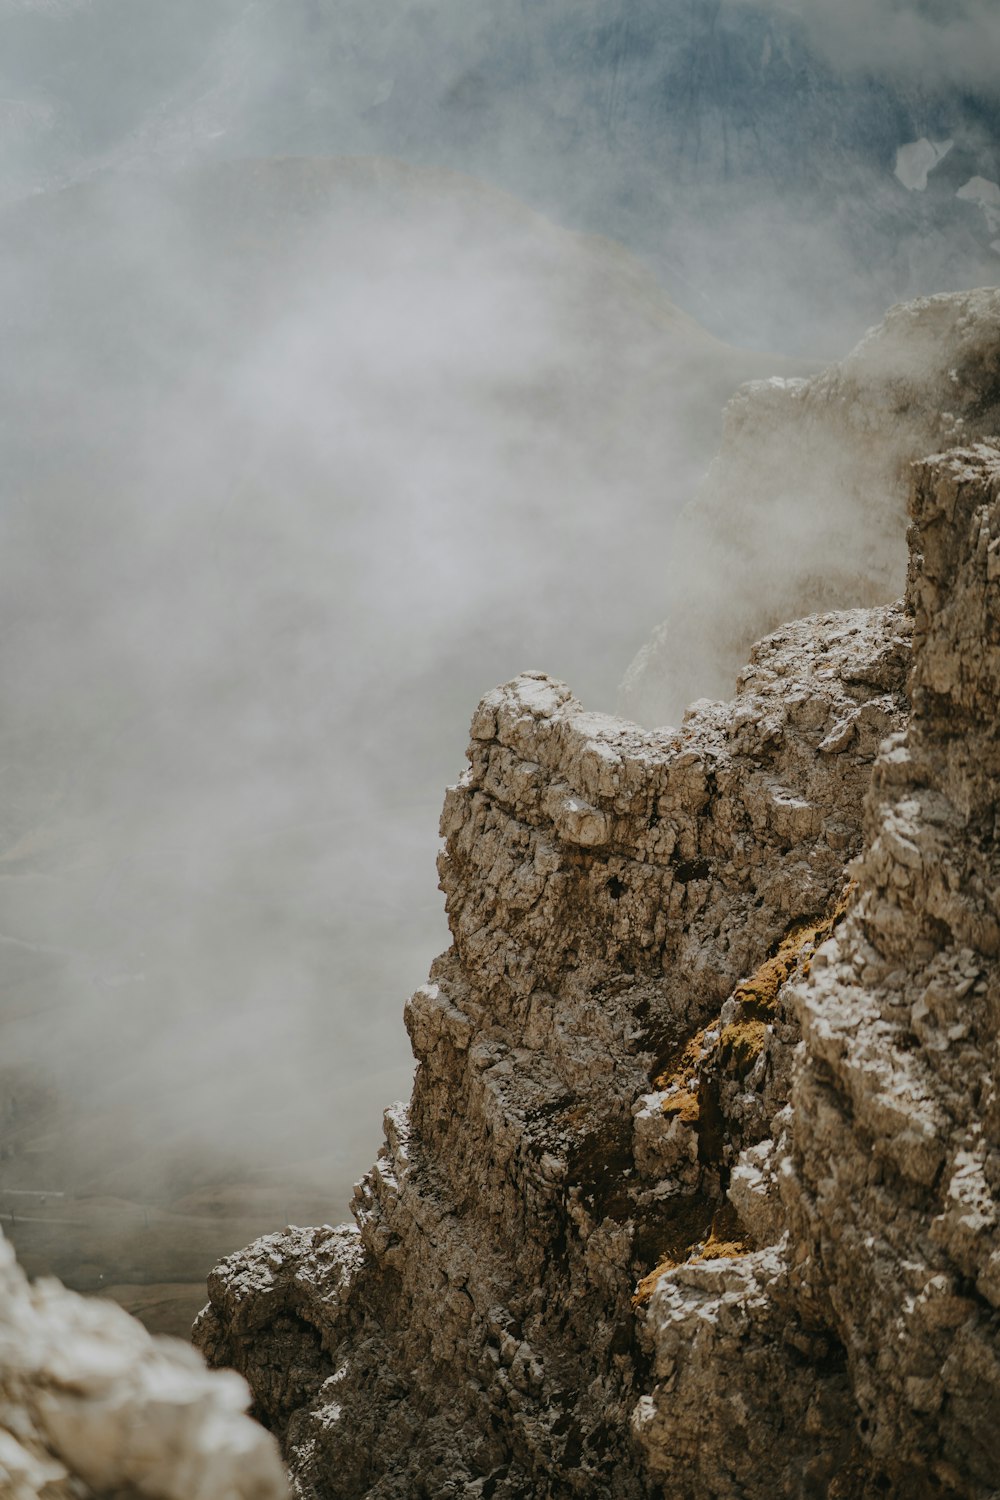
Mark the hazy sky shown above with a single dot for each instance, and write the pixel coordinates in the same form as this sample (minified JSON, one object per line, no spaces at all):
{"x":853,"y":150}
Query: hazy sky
{"x":300,"y":459}
{"x":746,"y":150}
{"x":932,"y":42}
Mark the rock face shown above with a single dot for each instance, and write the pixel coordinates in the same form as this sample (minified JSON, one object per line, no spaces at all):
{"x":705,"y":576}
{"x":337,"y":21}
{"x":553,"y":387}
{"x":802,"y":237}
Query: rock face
{"x":592,"y":1060}
{"x":893,"y":1175}
{"x":805,"y":506}
{"x":879,"y":1202}
{"x":91,"y":1406}
{"x":698,"y":1192}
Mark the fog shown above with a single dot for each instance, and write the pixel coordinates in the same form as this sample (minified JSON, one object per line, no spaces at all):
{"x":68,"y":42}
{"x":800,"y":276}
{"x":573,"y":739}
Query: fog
{"x":744,"y":149}
{"x":324,"y":410}
{"x":928,"y":41}
{"x":302,"y":457}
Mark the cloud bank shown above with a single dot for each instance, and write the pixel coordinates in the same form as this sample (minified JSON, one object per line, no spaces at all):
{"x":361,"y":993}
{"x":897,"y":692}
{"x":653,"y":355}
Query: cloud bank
{"x":936,"y":43}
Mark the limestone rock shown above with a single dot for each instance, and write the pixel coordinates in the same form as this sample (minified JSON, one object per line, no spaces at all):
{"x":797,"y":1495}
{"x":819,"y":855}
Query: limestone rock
{"x":92,"y":1406}
{"x":603,"y":1038}
{"x":698,"y":1189}
{"x":860,"y":1354}
{"x":805,"y":506}
{"x":893,"y":1176}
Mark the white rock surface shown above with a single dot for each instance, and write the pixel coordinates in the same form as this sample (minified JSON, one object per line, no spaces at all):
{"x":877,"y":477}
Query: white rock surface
{"x":917,"y":159}
{"x":986,"y":193}
{"x":91,"y":1406}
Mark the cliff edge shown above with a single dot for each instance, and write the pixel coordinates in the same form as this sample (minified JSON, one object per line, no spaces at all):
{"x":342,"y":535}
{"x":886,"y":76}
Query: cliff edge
{"x":697,"y":1189}
{"x":876,"y":1199}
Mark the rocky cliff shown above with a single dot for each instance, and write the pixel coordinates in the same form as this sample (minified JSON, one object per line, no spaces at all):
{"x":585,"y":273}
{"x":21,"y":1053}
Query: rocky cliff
{"x":696,"y":1191}
{"x":863,"y":1335}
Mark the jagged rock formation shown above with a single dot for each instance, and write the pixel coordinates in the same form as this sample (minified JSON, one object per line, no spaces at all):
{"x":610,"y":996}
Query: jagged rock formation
{"x":624,"y":1204}
{"x":592,"y":1061}
{"x":805,"y":506}
{"x":879,"y":1202}
{"x":92,"y":1407}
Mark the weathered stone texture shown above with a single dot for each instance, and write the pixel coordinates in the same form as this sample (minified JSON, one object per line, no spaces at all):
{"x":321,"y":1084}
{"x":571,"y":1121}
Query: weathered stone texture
{"x":880,"y":1199}
{"x":589,"y":1067}
{"x":698,"y":1191}
{"x":893,"y":1178}
{"x":92,"y":1407}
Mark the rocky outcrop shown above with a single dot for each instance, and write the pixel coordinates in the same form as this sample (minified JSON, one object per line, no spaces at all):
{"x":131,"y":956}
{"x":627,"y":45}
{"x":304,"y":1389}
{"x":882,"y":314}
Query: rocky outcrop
{"x":605,"y":1037}
{"x":698,"y":1190}
{"x":893,"y":1174}
{"x":805,"y":506}
{"x":91,"y":1406}
{"x":859,"y":1347}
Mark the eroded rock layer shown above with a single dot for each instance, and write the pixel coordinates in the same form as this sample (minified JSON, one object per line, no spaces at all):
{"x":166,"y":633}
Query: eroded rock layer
{"x":605,"y":1037}
{"x":698,"y":1192}
{"x":857,"y":1352}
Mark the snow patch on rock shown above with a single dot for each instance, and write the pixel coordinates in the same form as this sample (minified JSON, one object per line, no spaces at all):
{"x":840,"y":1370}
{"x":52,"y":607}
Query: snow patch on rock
{"x":987,"y":194}
{"x":917,"y":159}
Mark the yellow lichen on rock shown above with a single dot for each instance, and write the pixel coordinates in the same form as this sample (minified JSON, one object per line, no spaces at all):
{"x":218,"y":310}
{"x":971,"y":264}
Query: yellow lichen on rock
{"x":684,"y":1105}
{"x":727,"y":1239}
{"x":705,"y":1085}
{"x":759,"y":994}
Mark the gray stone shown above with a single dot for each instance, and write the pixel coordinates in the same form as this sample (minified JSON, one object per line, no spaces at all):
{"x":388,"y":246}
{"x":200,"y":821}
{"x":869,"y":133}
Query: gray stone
{"x":581,"y":1093}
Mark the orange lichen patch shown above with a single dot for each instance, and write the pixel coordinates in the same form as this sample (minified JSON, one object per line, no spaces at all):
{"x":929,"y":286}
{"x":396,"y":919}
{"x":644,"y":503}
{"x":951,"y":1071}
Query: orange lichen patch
{"x":683,"y":1105}
{"x":647,"y":1286}
{"x":758,"y":995}
{"x":728,"y":1238}
{"x":665,"y":1237}
{"x":684,"y":1062}
{"x":740,"y":1045}
{"x":687,"y":1233}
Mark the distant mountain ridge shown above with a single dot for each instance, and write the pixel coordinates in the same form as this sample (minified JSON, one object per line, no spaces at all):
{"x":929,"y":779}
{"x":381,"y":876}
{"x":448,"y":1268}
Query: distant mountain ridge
{"x":758,"y":180}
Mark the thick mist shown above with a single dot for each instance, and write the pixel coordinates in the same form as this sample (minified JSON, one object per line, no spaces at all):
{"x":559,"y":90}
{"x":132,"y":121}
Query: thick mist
{"x":302,"y":456}
{"x":330,"y":399}
{"x":928,"y":41}
{"x":745,"y":150}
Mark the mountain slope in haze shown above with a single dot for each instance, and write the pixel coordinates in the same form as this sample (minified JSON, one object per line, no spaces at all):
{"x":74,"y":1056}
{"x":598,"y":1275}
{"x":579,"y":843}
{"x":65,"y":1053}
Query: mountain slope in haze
{"x":295,"y":453}
{"x":784,"y":193}
{"x":805,"y":506}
